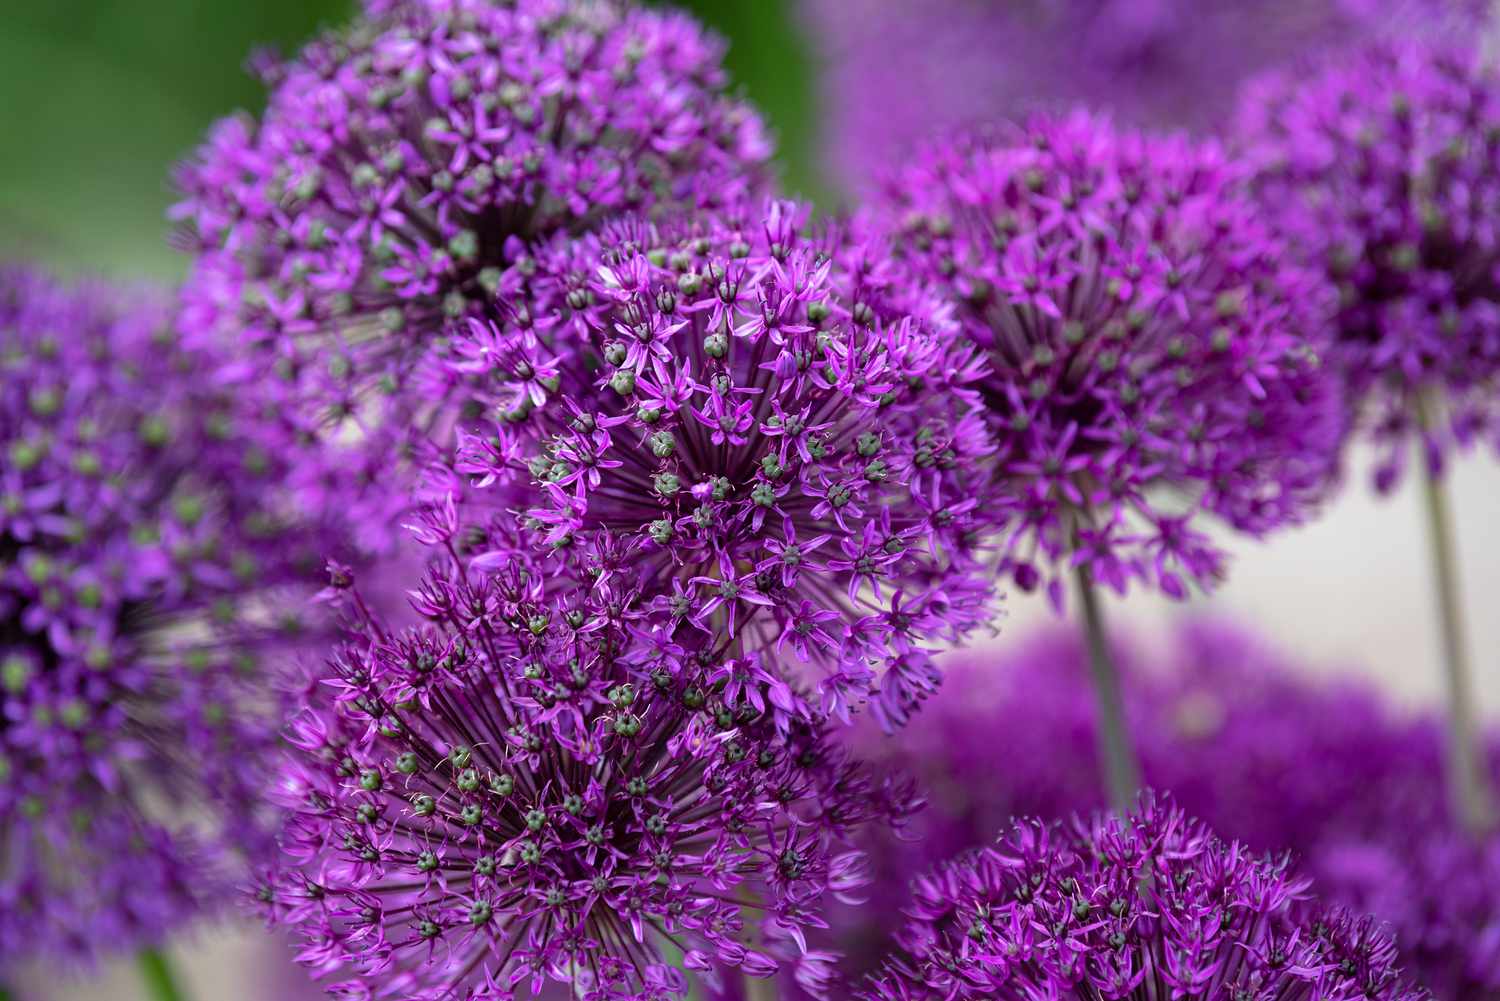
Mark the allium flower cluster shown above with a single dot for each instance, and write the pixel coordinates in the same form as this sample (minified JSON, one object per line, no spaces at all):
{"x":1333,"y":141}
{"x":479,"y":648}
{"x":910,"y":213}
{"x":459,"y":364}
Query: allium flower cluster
{"x":1383,"y":168}
{"x":519,"y":792}
{"x":894,"y":72}
{"x":141,"y":560}
{"x":1147,"y":906}
{"x":1154,"y":356}
{"x":1242,"y":737}
{"x":403,"y":163}
{"x":765,"y":422}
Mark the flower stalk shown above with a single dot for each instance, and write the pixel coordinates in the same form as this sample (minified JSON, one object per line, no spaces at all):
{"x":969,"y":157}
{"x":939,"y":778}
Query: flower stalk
{"x":1471,"y":796}
{"x":1117,"y":760}
{"x":162,"y":982}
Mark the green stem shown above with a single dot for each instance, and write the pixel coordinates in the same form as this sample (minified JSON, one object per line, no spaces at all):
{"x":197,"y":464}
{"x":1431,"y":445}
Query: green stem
{"x":161,"y":980}
{"x":1468,"y":784}
{"x":1122,"y":774}
{"x":6,"y":994}
{"x":760,"y":989}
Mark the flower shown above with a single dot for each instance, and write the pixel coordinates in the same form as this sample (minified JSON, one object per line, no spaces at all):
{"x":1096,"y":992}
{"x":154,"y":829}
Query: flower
{"x":1240,"y":735}
{"x":895,"y":73}
{"x":770,"y":424}
{"x":404,"y":162}
{"x":1143,"y":906}
{"x":1154,"y":356}
{"x":518,"y":791}
{"x":145,"y":567}
{"x":1381,"y":167}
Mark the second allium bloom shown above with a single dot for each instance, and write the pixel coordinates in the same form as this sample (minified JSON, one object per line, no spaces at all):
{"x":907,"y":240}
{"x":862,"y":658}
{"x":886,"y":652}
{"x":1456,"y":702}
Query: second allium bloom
{"x":1383,"y":166}
{"x":773,"y":430}
{"x":1154,"y":355}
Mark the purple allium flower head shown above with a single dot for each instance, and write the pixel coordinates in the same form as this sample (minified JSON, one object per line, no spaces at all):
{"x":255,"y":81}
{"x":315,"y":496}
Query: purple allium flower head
{"x":895,"y":72}
{"x":520,"y":792}
{"x":768,"y":421}
{"x":404,"y":162}
{"x":1154,"y":356}
{"x":1383,"y":167}
{"x":142,"y":556}
{"x":1241,"y":736}
{"x":1147,"y":906}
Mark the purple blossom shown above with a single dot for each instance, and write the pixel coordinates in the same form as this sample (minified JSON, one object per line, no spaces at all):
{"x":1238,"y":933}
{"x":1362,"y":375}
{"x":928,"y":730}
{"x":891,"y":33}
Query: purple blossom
{"x":522,"y":792}
{"x":1382,"y":167}
{"x":765,"y":422}
{"x":1154,"y":356}
{"x":144,"y":552}
{"x":1242,"y":737}
{"x":895,"y":73}
{"x":1142,"y":907}
{"x":400,"y":168}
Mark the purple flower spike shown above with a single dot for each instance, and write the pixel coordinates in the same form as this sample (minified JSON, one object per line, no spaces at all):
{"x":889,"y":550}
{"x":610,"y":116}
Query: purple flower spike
{"x":142,"y":559}
{"x":1153,"y":355}
{"x":519,"y":792}
{"x":780,"y":444}
{"x":1143,"y":907}
{"x":402,"y":165}
{"x":1383,"y":168}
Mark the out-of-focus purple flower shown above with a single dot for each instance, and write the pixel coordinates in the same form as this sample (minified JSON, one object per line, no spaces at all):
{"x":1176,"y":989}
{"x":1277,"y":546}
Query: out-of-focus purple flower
{"x":143,"y":556}
{"x":1382,"y":167}
{"x":521,"y":792}
{"x":1154,"y":356}
{"x":404,"y":162}
{"x":1241,"y":736}
{"x":769,"y":425}
{"x":1142,"y":907}
{"x":894,"y":73}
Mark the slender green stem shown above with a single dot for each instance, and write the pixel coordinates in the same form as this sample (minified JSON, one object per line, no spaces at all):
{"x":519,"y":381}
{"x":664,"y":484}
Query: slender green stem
{"x":758,"y":989}
{"x":1122,"y":774}
{"x":160,"y":979}
{"x":1468,"y":784}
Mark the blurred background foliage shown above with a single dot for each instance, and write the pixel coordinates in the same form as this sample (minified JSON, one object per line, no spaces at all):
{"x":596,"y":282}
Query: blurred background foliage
{"x":102,"y":97}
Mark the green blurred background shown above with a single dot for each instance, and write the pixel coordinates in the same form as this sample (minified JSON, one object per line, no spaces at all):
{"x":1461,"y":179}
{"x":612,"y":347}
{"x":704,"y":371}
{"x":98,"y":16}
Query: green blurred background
{"x":102,"y":97}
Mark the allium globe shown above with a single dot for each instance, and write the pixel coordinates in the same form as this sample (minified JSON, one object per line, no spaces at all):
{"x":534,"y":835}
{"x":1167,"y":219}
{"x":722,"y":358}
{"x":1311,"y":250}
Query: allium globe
{"x":894,"y":72}
{"x":1147,"y":906}
{"x":520,"y":792}
{"x":1242,"y":735}
{"x":1382,"y":167}
{"x":404,"y":162}
{"x":143,"y":557}
{"x":768,"y":420}
{"x":1154,"y":354}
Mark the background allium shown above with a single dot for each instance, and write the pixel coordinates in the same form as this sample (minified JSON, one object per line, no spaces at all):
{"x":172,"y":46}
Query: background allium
{"x":1241,"y":737}
{"x":1149,"y":906}
{"x":141,"y":563}
{"x":895,"y":72}
{"x":1153,"y":354}
{"x":1383,"y":167}
{"x":402,"y":164}
{"x":765,"y":421}
{"x":520,"y":792}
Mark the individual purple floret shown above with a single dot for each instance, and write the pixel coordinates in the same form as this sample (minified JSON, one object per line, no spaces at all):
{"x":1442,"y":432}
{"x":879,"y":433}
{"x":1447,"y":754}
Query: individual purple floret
{"x":770,"y":426}
{"x":404,"y":162}
{"x":894,"y":73}
{"x":142,"y":560}
{"x":1242,"y":737}
{"x":1154,"y":356}
{"x":1144,"y":907}
{"x":1382,"y":167}
{"x":521,"y":792}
